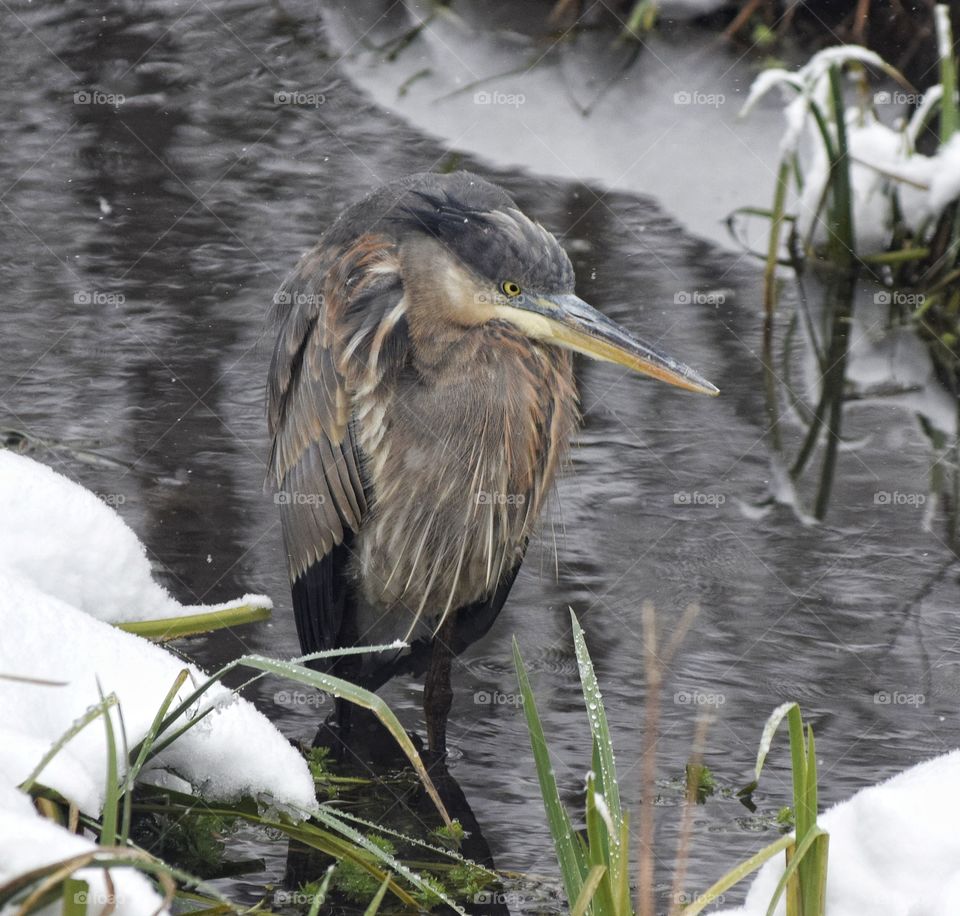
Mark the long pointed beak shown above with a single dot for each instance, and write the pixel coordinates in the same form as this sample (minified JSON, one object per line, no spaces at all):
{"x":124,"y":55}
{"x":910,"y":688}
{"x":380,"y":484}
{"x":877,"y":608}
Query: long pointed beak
{"x":567,"y":321}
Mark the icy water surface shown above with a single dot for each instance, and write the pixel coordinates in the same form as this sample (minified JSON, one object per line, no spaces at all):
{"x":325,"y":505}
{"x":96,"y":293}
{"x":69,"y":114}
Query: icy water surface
{"x":140,"y":247}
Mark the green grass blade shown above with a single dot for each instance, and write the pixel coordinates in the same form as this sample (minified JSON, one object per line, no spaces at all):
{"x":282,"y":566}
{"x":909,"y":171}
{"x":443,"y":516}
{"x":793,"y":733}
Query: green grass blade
{"x":455,"y":857}
{"x":328,"y":816}
{"x":810,"y":790}
{"x":195,"y":624}
{"x":598,"y":721}
{"x":75,"y":893}
{"x":604,"y":763}
{"x":810,"y":877}
{"x":320,"y":897}
{"x":773,"y":248}
{"x":799,"y":766}
{"x":896,"y":257}
{"x":374,"y":907}
{"x":159,"y":746}
{"x":92,"y":713}
{"x":948,"y":73}
{"x":735,"y":875}
{"x":569,"y":853}
{"x":142,"y":750}
{"x":590,"y":885}
{"x":359,"y":697}
{"x":218,"y":676}
{"x":621,"y":881}
{"x":607,"y":841}
{"x":108,"y":821}
{"x":841,"y":244}
{"x":793,"y":865}
{"x":598,"y":852}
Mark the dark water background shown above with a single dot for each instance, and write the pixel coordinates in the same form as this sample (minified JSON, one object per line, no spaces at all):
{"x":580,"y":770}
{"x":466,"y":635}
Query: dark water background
{"x":194,"y":197}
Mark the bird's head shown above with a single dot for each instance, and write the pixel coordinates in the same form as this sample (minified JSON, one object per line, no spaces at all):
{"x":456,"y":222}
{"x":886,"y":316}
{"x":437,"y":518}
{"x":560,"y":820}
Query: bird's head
{"x":470,"y":256}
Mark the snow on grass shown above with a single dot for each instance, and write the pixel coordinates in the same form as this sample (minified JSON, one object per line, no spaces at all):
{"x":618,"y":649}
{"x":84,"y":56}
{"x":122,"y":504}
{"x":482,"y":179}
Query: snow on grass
{"x":804,"y":87}
{"x":70,"y":568}
{"x":72,"y":545}
{"x":28,"y":841}
{"x":894,"y":849}
{"x":880,"y":159}
{"x":234,"y":752}
{"x":888,"y":177}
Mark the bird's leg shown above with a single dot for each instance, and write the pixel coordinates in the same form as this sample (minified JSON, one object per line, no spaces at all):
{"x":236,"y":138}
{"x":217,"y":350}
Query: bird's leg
{"x":437,"y":692}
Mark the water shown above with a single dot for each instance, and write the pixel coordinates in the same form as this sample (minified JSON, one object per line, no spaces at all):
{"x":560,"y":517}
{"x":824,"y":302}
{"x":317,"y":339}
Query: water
{"x":191,"y":201}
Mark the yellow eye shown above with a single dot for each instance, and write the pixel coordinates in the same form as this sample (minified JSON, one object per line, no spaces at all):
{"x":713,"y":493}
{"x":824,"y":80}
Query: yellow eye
{"x":509,"y":288}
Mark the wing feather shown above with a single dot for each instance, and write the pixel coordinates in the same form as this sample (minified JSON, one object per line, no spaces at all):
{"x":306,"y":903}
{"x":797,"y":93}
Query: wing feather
{"x":332,"y":302}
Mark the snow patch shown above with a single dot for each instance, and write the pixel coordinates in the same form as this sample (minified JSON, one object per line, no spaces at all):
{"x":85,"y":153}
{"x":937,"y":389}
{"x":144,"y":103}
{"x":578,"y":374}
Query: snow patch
{"x":234,"y":752}
{"x":894,"y":849}
{"x":28,"y":841}
{"x":73,"y":546}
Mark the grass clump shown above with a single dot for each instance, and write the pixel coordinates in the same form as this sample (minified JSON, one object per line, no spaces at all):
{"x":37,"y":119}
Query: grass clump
{"x":595,"y":863}
{"x":859,"y":211}
{"x":181,"y":841}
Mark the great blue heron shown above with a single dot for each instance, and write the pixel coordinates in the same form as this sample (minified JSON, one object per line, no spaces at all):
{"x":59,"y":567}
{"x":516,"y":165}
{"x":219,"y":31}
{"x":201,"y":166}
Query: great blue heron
{"x":421,"y":398}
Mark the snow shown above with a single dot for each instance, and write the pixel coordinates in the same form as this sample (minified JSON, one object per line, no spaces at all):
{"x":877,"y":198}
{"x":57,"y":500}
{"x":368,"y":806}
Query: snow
{"x":234,"y":752}
{"x":941,"y":13}
{"x":880,"y":159}
{"x":28,"y":841}
{"x":894,"y":849}
{"x":68,"y":565}
{"x":884,"y":164}
{"x":808,"y":84}
{"x":90,"y":558}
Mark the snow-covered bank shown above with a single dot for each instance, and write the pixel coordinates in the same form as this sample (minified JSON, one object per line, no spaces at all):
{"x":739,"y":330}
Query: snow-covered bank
{"x":68,"y":564}
{"x":894,"y":849}
{"x":74,"y":546}
{"x":233,"y":752}
{"x":28,"y":841}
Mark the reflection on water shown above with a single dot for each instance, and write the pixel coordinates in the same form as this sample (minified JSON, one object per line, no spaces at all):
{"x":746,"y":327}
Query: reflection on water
{"x":141,"y":245}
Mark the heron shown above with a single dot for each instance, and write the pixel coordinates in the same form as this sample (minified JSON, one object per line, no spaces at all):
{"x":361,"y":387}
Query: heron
{"x":421,"y":399}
